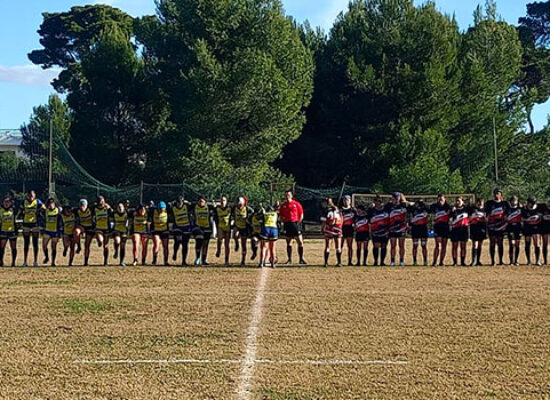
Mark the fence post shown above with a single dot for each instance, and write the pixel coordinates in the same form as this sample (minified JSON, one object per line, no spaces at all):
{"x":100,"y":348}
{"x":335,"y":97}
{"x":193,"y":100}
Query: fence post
{"x":141,"y":192}
{"x":341,"y":192}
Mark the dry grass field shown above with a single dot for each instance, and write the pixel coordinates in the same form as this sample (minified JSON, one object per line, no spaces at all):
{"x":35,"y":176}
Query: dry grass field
{"x":289,"y":333}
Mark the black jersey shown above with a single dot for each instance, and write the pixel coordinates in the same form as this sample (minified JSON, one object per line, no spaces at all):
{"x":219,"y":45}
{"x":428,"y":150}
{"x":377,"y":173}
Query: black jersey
{"x":460,"y":217}
{"x":513,"y":217}
{"x":398,"y":217}
{"x":442,"y":213}
{"x":362,"y":221}
{"x":477,"y":216}
{"x":532,"y":217}
{"x":379,"y":221}
{"x":349,"y":215}
{"x":496,"y":215}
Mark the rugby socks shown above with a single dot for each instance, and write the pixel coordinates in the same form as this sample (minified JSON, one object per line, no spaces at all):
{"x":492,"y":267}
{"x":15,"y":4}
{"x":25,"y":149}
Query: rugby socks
{"x":122,"y":253}
{"x":184,"y":250}
{"x":26,"y":246}
{"x":383,"y":252}
{"x":501,"y":253}
{"x":254,"y":246}
{"x":375,"y":252}
{"x":454,"y":261}
{"x":327,"y":254}
{"x":365,"y":255}
{"x":54,"y":255}
{"x":537,"y":254}
{"x":289,"y":253}
{"x":358,"y":252}
{"x":463,"y":260}
{"x":517,"y":254}
{"x":2,"y":250}
{"x":117,"y":245}
{"x":528,"y":252}
{"x":339,"y":257}
{"x":105,"y":256}
{"x":35,"y":247}
{"x":177,"y":243}
{"x":301,"y":253}
{"x":198,"y":247}
{"x":511,"y":253}
{"x":545,"y":254}
{"x":46,"y":256}
{"x":492,"y":253}
{"x":13,"y":256}
{"x":479,"y":256}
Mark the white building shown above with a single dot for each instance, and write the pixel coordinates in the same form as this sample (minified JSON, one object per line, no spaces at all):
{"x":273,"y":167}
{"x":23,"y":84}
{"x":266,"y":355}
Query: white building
{"x":10,"y":141}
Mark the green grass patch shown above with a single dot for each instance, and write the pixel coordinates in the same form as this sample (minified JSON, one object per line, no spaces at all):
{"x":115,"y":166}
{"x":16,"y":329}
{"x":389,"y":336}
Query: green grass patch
{"x":271,"y":394}
{"x":34,"y":282}
{"x":78,"y":306}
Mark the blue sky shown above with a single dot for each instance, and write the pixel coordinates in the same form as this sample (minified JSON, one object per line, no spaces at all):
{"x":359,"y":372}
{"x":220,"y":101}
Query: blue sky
{"x":23,"y":86}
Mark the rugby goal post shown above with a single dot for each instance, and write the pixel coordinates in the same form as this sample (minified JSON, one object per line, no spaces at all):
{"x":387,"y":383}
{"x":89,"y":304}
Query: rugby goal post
{"x":367,"y":199}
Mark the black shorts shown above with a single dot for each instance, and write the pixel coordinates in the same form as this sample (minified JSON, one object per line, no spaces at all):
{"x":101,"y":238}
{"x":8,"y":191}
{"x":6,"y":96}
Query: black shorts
{"x":530,"y":230}
{"x":362,"y":236}
{"x":86,"y":230}
{"x":201,"y":233}
{"x":514,"y":232}
{"x":105,"y":232}
{"x":243,"y":232}
{"x":292,"y":229}
{"x":398,"y":234}
{"x":493,"y":233}
{"x":347,"y":231}
{"x":380,"y":239}
{"x":123,"y":235}
{"x":545,"y":228}
{"x":478,"y":233}
{"x":419,"y":231}
{"x":8,"y":235}
{"x":441,"y":230}
{"x":459,"y":234}
{"x":162,"y":234}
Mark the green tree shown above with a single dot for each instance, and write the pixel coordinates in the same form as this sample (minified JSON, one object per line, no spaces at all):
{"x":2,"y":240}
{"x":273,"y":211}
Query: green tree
{"x":237,"y":78}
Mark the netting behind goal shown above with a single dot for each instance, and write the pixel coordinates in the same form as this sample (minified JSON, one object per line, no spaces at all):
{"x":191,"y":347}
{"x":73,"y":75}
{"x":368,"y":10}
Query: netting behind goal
{"x":366,"y":199}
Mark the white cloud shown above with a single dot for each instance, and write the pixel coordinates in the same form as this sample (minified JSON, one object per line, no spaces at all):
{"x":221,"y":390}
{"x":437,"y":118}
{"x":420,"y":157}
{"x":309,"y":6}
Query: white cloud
{"x":27,"y":75}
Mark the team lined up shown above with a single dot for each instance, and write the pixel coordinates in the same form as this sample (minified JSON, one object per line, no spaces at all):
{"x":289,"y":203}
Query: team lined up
{"x":180,"y":220}
{"x":389,"y":222}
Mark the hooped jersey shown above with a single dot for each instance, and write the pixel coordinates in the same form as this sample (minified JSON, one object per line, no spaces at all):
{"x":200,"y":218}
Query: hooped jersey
{"x":101,"y":215}
{"x":84,"y":218}
{"x":459,"y":217}
{"x":532,"y":217}
{"x":513,"y":216}
{"x":30,"y":211}
{"x":334,"y":221}
{"x":349,"y":215}
{"x":496,"y":214}
{"x":419,"y":215}
{"x":442,"y":213}
{"x":160,"y":220}
{"x":53,"y":219}
{"x":202,"y":216}
{"x":181,"y":215}
{"x":121,"y":222}
{"x":68,"y":223}
{"x":362,"y":221}
{"x":223,"y":217}
{"x":379,"y":222}
{"x":478,"y":216}
{"x":7,"y":219}
{"x":398,"y":217}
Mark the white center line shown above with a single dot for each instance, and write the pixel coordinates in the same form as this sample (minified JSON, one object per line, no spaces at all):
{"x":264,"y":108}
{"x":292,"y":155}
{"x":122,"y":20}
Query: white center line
{"x":247,"y":372}
{"x":229,"y":361}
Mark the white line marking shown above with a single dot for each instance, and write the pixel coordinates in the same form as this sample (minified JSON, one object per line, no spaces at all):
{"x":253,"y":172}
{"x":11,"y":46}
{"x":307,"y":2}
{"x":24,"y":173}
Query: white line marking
{"x":227,"y":361}
{"x":247,"y":372}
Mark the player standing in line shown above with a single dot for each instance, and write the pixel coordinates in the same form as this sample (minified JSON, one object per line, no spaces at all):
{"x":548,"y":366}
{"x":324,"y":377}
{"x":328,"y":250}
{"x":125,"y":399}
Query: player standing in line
{"x":222,"y":219}
{"x":331,"y":227}
{"x":478,"y":230}
{"x":8,"y":231}
{"x":181,"y":228}
{"x":140,"y":234}
{"x":419,"y":230}
{"x":292,"y":215}
{"x":532,"y":218}
{"x":269,"y":236}
{"x":202,"y":230}
{"x":397,"y":209}
{"x":362,"y":234}
{"x":120,"y":232}
{"x":459,"y":231}
{"x":102,"y":219}
{"x":441,"y":211}
{"x":545,"y":230}
{"x":242,"y":214}
{"x":30,"y":210}
{"x":380,"y":226}
{"x":158,"y":218}
{"x":84,"y":226}
{"x":256,"y":230}
{"x":496,"y":210}
{"x":68,"y":219}
{"x":52,"y":230}
{"x":514,"y":229}
{"x":348,"y":213}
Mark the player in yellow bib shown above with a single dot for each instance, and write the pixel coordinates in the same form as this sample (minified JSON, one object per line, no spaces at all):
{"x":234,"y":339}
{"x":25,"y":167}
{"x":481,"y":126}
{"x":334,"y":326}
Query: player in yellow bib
{"x":256,"y":230}
{"x":52,"y":230}
{"x":102,"y":220}
{"x":242,"y":214}
{"x":68,"y":219}
{"x":140,"y":233}
{"x":84,"y":225}
{"x":222,"y":219}
{"x":182,"y":226}
{"x":29,"y":212}
{"x":202,"y":230}
{"x":269,"y":235}
{"x":120,"y":232}
{"x":8,"y":230}
{"x":159,"y":225}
